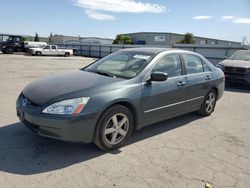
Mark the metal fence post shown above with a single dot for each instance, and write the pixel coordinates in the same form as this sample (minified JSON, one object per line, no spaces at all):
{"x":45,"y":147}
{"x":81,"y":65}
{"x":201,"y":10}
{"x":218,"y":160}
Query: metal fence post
{"x":100,"y":51}
{"x":226,"y":52}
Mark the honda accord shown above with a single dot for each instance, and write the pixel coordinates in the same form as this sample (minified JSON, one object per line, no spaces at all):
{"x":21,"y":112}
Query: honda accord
{"x":122,"y":92}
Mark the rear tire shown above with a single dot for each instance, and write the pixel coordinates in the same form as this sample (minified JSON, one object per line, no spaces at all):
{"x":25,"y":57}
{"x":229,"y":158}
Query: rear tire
{"x":38,"y":53}
{"x":209,"y":103}
{"x":114,"y":127}
{"x":67,"y":54}
{"x":9,"y":50}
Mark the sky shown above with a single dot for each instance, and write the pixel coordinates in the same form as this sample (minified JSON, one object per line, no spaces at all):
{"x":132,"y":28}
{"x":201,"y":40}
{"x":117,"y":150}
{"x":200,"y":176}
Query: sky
{"x":222,"y":19}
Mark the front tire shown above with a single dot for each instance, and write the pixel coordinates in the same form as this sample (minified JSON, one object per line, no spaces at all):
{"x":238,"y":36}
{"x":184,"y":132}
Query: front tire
{"x":114,"y":128}
{"x":9,"y":50}
{"x":209,"y":103}
{"x":67,"y":54}
{"x":38,"y":53}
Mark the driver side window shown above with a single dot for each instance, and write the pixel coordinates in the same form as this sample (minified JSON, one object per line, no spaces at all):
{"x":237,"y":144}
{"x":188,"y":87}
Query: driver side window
{"x":170,"y":64}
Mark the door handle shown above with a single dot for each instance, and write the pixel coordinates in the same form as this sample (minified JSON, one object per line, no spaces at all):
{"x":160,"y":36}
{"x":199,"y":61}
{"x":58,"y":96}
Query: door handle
{"x":181,"y":83}
{"x":208,"y":77}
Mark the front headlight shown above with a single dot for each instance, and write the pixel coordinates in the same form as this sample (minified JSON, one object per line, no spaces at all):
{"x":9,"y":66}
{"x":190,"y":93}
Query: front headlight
{"x":66,"y":107}
{"x":221,"y":66}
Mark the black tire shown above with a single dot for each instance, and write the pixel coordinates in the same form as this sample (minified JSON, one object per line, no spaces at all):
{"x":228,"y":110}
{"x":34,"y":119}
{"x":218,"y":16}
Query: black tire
{"x":67,"y":54}
{"x":38,"y":53}
{"x":105,"y":123}
{"x":9,"y":50}
{"x":209,"y":103}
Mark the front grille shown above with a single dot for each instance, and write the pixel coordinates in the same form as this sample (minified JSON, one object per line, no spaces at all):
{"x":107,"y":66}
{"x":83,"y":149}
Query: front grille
{"x":236,"y":70}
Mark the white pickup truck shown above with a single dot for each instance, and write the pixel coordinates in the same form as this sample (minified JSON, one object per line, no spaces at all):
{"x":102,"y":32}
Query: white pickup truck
{"x":51,"y":50}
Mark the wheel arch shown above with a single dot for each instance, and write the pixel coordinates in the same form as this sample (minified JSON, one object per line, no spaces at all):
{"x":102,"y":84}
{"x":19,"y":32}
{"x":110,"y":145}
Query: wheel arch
{"x":216,"y":91}
{"x":125,"y":103}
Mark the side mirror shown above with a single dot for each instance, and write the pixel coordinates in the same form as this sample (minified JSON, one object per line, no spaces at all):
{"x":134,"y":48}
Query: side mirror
{"x":158,"y":76}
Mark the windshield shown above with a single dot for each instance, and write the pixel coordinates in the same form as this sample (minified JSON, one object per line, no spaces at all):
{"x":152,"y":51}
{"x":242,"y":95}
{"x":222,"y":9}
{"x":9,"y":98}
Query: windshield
{"x":125,"y":64}
{"x":241,"y":55}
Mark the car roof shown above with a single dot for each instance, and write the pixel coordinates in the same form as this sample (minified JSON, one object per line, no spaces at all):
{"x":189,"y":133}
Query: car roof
{"x":153,"y":50}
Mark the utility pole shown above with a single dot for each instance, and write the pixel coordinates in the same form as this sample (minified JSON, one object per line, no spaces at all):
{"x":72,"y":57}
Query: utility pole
{"x":245,"y":42}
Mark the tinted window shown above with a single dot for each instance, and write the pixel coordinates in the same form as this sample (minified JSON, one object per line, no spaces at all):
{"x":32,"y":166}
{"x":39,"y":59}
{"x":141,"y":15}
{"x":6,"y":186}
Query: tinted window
{"x":5,"y":38}
{"x":169,"y":64}
{"x":53,"y":47}
{"x":10,"y":38}
{"x":46,"y":47}
{"x":193,"y":64}
{"x":17,"y":39}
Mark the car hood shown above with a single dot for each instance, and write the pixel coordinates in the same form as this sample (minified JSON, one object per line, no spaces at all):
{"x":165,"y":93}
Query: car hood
{"x":46,"y":89}
{"x":236,"y":63}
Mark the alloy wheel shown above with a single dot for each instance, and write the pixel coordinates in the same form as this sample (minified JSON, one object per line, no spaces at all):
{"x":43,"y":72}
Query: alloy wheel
{"x":116,"y":129}
{"x":210,"y":102}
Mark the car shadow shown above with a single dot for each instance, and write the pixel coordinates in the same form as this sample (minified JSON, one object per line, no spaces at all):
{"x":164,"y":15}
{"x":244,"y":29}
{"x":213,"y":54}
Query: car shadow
{"x":23,"y":153}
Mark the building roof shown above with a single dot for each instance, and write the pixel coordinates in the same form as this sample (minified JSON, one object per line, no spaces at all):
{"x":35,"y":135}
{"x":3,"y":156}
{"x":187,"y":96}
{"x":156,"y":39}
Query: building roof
{"x":15,"y":34}
{"x":56,"y":35}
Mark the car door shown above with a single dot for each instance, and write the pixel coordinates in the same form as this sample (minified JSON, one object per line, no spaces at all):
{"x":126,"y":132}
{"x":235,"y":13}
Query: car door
{"x":18,"y":43}
{"x":53,"y":50}
{"x":199,"y":79}
{"x":46,"y":50}
{"x":162,"y":100}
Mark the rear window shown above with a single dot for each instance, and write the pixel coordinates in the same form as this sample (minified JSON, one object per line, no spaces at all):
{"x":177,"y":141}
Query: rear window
{"x":193,"y":64}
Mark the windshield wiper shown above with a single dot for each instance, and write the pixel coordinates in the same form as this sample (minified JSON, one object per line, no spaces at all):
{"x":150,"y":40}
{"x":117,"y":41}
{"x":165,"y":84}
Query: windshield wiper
{"x":105,"y":73}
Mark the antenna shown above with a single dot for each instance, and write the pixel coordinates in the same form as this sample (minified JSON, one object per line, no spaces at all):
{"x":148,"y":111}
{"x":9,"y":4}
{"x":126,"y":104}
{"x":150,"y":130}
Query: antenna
{"x":245,"y":41}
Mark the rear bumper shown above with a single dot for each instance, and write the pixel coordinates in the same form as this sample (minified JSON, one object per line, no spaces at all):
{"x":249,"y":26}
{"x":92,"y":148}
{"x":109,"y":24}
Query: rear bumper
{"x":78,"y":128}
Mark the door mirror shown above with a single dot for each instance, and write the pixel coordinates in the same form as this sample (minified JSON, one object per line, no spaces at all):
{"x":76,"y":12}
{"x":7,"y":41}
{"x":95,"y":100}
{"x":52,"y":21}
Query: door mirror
{"x":158,"y":76}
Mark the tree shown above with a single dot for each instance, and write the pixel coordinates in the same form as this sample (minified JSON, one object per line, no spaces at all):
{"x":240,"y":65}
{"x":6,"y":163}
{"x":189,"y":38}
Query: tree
{"x":50,"y":38}
{"x":188,"y":39}
{"x":36,"y":39}
{"x":122,"y":39}
{"x":25,"y":38}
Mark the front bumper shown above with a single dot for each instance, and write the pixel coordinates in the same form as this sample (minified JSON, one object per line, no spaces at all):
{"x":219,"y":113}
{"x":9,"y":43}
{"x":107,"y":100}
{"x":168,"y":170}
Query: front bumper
{"x":77,"y":128}
{"x":237,"y":78}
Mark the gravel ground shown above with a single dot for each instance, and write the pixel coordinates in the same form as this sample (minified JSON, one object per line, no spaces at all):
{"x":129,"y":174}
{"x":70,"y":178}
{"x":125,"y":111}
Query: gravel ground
{"x":187,"y":151}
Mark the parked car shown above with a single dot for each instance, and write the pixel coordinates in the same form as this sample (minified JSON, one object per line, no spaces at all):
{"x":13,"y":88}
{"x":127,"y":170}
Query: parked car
{"x":51,"y":50}
{"x":14,"y":43}
{"x":122,"y":92}
{"x":237,"y":67}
